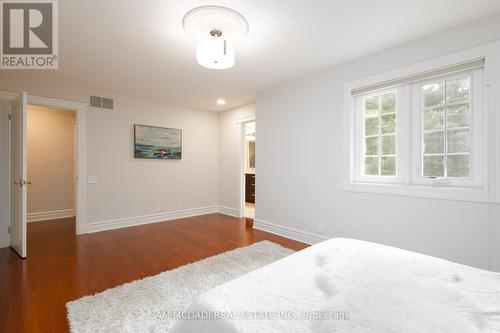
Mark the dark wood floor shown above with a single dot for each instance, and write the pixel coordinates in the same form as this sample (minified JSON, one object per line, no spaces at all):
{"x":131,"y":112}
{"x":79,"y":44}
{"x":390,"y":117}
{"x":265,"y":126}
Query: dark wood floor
{"x":62,"y":266}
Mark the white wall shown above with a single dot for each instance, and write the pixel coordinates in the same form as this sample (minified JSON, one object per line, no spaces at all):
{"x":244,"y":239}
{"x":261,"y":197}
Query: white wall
{"x":230,"y":156}
{"x":129,"y":190}
{"x":4,"y":174}
{"x":300,"y":166}
{"x":135,"y":187}
{"x":51,"y":161}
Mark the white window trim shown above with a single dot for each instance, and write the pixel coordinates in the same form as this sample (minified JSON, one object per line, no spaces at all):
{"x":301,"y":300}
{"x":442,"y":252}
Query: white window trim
{"x":481,"y":191}
{"x":476,"y":123}
{"x":358,"y":138}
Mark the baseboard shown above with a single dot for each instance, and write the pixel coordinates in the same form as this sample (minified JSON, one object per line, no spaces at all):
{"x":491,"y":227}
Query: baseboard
{"x":4,"y":241}
{"x":228,"y":211}
{"x":292,"y":233}
{"x":52,"y":215}
{"x":145,"y":219}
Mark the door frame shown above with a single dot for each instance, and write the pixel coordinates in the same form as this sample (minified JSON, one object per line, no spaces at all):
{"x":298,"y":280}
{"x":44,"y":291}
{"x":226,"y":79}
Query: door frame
{"x":80,"y":109}
{"x":242,"y":122}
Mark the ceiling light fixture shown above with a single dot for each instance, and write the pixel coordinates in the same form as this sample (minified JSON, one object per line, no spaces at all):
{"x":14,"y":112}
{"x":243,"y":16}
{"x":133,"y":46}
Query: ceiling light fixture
{"x":221,"y":102}
{"x":216,"y":28}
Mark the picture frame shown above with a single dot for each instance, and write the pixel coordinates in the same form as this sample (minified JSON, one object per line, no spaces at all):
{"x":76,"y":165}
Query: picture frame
{"x":154,"y":142}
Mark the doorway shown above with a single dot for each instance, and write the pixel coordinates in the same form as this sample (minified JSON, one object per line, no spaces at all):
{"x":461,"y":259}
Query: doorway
{"x":51,"y":164}
{"x":249,"y":182}
{"x":15,"y":159}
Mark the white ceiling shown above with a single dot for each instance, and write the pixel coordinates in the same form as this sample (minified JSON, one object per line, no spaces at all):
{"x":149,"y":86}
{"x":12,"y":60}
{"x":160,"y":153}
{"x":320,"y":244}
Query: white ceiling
{"x":140,"y":48}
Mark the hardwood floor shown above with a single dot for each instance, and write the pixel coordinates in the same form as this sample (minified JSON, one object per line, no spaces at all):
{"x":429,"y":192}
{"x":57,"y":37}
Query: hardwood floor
{"x":62,"y":266}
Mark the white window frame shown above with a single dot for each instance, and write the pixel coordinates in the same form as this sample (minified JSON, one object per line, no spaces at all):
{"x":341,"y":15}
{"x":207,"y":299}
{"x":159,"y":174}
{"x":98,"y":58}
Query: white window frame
{"x":475,"y":144}
{"x":485,"y":160}
{"x":359,"y":139}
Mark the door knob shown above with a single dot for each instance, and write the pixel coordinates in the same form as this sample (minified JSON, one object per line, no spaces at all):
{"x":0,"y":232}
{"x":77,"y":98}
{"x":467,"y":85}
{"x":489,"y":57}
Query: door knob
{"x":26,"y":182}
{"x":19,"y":183}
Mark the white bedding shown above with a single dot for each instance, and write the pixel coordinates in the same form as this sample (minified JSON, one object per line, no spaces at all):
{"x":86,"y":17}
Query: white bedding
{"x":352,"y":286}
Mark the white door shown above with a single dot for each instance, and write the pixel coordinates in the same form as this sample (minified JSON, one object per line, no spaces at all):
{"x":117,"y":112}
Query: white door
{"x":18,"y":174}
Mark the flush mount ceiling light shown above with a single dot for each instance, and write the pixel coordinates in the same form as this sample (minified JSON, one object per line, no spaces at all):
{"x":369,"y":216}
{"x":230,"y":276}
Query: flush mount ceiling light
{"x":221,"y":101}
{"x":216,"y":28}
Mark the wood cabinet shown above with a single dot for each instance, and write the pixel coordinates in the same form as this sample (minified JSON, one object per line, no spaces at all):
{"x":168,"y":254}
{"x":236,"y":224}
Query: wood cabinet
{"x":250,"y":188}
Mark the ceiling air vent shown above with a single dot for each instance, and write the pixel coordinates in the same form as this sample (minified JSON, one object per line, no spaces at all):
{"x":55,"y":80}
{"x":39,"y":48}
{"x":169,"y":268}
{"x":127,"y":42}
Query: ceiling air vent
{"x":101,"y":102}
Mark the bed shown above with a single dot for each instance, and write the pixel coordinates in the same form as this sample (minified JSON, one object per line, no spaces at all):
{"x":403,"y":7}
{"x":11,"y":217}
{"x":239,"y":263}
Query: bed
{"x":345,"y":285}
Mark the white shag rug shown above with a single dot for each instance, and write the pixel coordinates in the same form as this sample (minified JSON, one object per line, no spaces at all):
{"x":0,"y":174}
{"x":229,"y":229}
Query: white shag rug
{"x":145,"y":305}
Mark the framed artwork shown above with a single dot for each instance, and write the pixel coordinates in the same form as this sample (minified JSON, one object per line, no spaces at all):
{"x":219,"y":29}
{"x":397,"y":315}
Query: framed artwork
{"x":157,"y":142}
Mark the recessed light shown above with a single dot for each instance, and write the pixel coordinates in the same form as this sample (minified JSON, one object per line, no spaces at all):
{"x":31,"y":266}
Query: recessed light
{"x":221,"y":102}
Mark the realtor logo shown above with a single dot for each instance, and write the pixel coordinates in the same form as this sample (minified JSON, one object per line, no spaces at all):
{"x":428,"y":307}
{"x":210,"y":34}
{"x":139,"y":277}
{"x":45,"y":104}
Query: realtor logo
{"x":29,"y":34}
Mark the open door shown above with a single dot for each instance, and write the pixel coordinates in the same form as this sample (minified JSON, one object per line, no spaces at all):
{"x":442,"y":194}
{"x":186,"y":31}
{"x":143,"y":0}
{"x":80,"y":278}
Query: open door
{"x":18,"y":174}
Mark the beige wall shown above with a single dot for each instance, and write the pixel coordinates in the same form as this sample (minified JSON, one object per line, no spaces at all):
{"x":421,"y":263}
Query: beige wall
{"x":51,"y":160}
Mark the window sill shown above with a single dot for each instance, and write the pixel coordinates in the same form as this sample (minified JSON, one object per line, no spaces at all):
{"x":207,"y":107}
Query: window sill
{"x":445,"y":192}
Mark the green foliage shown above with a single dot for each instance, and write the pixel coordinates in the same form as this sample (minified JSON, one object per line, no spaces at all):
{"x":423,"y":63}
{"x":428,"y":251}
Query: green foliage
{"x":371,"y":166}
{"x":388,"y":123}
{"x":388,"y":103}
{"x":371,"y":126}
{"x":434,"y":143}
{"x":388,"y":167}
{"x":433,"y":94}
{"x":434,"y":118}
{"x":458,"y":165}
{"x":371,"y":147}
{"x":458,"y":141}
{"x":458,"y":116}
{"x":371,"y":106}
{"x":457,"y":91}
{"x":389,"y":145}
{"x":434,"y":166}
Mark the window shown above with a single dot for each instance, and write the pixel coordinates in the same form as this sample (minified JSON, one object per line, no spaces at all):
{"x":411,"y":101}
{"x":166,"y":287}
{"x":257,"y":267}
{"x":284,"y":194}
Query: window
{"x":378,"y":152}
{"x":422,"y":134}
{"x":379,"y":112}
{"x":445,"y":127}
{"x":449,"y":125}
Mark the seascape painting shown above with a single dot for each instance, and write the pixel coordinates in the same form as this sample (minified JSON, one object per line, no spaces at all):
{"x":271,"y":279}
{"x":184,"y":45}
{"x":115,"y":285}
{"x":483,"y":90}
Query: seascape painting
{"x":157,"y":142}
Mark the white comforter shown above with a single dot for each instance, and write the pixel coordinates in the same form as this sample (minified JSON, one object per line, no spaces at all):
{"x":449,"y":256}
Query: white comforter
{"x":344,"y":285}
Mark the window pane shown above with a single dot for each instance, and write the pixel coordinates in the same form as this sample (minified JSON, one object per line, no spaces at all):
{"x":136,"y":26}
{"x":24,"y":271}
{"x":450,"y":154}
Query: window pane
{"x":389,"y":145}
{"x":458,"y":165}
{"x":388,"y":123}
{"x":388,"y":167}
{"x":434,"y":143}
{"x":371,"y":106}
{"x":371,"y":126}
{"x":371,"y":166}
{"x":458,"y":141}
{"x":457,"y":116}
{"x":388,"y":103}
{"x":434,"y":166}
{"x":379,"y":117}
{"x":371,"y":147}
{"x":446,"y":134}
{"x":434,"y":118}
{"x":433,"y":94}
{"x":457,"y":91}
